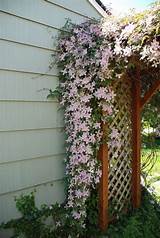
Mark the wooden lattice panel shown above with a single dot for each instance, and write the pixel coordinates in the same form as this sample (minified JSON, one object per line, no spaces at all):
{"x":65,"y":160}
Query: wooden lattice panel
{"x":120,"y":157}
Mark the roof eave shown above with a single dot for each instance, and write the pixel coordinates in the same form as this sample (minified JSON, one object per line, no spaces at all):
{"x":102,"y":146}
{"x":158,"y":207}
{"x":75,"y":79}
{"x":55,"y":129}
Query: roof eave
{"x":98,"y":8}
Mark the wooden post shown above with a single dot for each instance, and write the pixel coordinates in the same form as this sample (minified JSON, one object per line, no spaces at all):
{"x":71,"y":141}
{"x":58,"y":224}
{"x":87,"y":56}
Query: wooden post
{"x":103,"y":190}
{"x":136,"y":122}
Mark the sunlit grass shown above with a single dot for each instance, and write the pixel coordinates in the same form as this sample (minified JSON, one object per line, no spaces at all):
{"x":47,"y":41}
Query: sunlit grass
{"x":155,"y":157}
{"x":152,"y":158}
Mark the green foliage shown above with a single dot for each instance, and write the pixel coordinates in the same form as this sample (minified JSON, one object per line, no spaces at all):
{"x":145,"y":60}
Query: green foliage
{"x":54,"y":94}
{"x":141,"y":223}
{"x":36,"y":222}
{"x":92,"y":215}
{"x":151,"y":112}
{"x":50,"y":221}
{"x":30,"y":225}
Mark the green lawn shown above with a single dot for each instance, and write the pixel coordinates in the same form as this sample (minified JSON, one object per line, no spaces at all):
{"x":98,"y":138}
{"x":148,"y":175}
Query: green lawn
{"x":153,"y":168}
{"x":154,"y":156}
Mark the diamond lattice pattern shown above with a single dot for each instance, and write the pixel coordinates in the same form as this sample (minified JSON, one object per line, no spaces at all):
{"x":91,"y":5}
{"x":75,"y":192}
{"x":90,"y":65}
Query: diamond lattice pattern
{"x":120,"y":157}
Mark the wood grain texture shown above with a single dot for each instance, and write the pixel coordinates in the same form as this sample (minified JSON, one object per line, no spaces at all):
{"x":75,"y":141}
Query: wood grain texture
{"x":136,"y":123}
{"x":103,"y":189}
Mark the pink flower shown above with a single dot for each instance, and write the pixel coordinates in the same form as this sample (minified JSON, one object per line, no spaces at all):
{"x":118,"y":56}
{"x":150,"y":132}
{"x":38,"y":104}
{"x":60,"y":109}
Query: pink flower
{"x":118,"y":49}
{"x":69,"y":45}
{"x":58,"y":224}
{"x":86,"y":98}
{"x":76,"y":215}
{"x":106,"y":54}
{"x":127,"y":51}
{"x":95,"y":29}
{"x":127,"y":30}
{"x":114,"y":133}
{"x":81,"y":72}
{"x":107,"y":108}
{"x":101,"y":93}
{"x":70,"y":204}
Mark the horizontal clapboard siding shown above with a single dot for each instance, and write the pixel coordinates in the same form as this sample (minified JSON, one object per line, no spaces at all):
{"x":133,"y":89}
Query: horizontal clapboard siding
{"x":50,"y":193}
{"x":14,"y":116}
{"x":32,"y":140}
{"x":27,"y":31}
{"x":26,"y":86}
{"x":77,"y":6}
{"x":19,"y":175}
{"x":22,"y":145}
{"x":41,"y":11}
{"x":27,"y":58}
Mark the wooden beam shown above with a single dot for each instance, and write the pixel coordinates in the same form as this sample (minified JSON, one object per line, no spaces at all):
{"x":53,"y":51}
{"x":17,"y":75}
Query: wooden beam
{"x":136,"y":130}
{"x":150,"y":93}
{"x":103,"y":190}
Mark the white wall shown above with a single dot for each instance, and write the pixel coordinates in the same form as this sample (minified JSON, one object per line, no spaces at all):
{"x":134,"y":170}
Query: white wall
{"x":31,"y":127}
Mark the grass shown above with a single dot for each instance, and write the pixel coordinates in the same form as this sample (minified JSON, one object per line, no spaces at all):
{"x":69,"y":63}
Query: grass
{"x":150,"y":153}
{"x":152,"y":159}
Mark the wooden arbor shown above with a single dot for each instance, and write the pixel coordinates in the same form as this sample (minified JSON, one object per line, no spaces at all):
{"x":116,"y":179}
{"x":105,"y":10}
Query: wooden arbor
{"x":120,"y":181}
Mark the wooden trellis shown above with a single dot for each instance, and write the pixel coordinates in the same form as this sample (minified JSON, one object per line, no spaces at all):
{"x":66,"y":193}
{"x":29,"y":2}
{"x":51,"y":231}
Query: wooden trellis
{"x":120,"y":181}
{"x":120,"y":156}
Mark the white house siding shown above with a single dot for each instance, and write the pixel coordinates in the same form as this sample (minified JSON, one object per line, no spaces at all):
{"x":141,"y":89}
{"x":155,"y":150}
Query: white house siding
{"x":31,"y":127}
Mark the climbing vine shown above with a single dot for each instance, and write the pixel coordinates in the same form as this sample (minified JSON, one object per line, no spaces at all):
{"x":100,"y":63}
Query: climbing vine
{"x":88,"y":100}
{"x":90,"y":57}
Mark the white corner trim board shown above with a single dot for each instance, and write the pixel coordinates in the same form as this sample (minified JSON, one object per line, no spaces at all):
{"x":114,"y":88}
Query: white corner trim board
{"x":97,"y":7}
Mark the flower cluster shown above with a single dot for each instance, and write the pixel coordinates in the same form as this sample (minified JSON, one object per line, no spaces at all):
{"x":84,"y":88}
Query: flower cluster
{"x":83,"y":60}
{"x":90,"y":56}
{"x":137,"y":34}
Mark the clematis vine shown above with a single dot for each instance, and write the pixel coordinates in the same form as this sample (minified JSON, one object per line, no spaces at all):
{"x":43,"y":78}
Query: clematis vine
{"x":90,"y":57}
{"x":83,"y":59}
